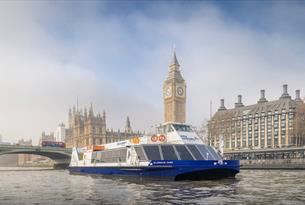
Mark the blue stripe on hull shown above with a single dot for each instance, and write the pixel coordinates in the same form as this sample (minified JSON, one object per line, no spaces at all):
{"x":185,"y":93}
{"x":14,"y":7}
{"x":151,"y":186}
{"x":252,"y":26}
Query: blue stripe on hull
{"x":175,"y":169}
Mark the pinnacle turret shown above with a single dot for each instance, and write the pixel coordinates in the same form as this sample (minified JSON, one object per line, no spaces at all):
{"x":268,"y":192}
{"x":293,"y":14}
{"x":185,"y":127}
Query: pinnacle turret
{"x":128,"y":126}
{"x":91,"y":114}
{"x":85,"y":113}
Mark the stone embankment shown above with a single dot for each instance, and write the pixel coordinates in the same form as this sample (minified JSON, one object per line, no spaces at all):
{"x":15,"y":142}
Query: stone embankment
{"x":273,"y":164}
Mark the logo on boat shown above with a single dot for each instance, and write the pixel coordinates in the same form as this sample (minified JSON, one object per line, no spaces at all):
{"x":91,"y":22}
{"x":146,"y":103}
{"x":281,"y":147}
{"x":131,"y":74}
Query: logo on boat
{"x":121,"y":143}
{"x":184,"y":137}
{"x":160,"y":163}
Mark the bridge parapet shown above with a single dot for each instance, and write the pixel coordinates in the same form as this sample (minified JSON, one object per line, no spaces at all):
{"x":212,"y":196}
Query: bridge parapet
{"x":34,"y":148}
{"x":61,"y":156}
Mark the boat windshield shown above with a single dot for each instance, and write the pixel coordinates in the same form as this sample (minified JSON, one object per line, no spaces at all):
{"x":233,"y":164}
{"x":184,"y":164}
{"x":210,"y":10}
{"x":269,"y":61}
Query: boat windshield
{"x":176,"y":152}
{"x":164,"y":129}
{"x":182,"y":128}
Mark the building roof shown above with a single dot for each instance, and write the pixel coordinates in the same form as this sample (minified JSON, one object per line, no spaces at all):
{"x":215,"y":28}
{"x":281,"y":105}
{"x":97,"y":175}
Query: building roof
{"x":272,"y":106}
{"x":174,"y":69}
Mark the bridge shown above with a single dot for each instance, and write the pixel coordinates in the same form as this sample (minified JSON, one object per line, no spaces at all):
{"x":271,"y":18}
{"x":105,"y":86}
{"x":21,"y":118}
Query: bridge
{"x":60,"y":156}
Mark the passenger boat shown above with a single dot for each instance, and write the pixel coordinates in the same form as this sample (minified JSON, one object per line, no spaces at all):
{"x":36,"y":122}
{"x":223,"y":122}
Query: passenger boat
{"x":176,"y":152}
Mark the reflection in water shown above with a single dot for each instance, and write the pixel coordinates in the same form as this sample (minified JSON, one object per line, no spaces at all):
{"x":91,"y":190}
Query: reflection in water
{"x":192,"y":192}
{"x":59,"y":187}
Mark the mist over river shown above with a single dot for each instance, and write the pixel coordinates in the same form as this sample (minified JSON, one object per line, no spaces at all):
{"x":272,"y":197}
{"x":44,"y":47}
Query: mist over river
{"x":44,"y":186}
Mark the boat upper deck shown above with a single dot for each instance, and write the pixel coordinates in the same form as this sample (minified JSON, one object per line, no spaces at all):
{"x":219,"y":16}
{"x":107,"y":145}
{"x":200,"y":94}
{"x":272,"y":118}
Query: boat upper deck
{"x":157,"y":152}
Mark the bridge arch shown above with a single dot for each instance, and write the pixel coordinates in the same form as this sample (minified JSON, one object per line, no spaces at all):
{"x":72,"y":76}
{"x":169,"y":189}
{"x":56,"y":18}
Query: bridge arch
{"x":60,"y":156}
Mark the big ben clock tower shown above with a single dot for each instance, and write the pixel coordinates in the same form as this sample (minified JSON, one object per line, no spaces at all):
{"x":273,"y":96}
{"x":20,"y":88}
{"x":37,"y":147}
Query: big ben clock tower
{"x":174,"y":93}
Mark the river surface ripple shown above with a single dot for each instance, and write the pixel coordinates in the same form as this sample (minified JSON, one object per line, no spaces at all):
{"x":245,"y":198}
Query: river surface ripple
{"x":33,"y":186}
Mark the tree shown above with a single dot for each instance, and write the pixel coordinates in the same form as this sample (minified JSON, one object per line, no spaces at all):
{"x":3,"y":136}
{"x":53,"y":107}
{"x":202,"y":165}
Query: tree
{"x":220,"y":127}
{"x":203,"y":131}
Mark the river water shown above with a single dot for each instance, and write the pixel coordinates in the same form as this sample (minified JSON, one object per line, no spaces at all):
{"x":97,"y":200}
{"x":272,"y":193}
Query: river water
{"x":42,"y":186}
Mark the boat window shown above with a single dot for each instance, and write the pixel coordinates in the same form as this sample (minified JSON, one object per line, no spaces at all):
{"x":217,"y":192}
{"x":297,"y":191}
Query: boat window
{"x":208,"y":152}
{"x":168,"y":152}
{"x":163,"y":129}
{"x":93,"y":157}
{"x":123,"y":154}
{"x":140,"y":154}
{"x":152,"y":152}
{"x":205,"y":152}
{"x":169,"y":128}
{"x":160,"y":130}
{"x":183,"y":152}
{"x":115,"y":155}
{"x":80,"y":153}
{"x":195,"y":152}
{"x":120,"y":155}
{"x":215,"y":153}
{"x":98,"y":156}
{"x":182,"y":128}
{"x":106,"y":156}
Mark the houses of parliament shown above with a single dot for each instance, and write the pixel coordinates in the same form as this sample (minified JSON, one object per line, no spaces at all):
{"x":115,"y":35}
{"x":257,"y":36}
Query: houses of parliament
{"x":87,"y":128}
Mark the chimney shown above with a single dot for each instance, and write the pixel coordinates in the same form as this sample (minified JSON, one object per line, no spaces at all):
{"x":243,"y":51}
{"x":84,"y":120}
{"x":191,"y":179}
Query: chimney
{"x":262,"y":94}
{"x":285,"y":92}
{"x":222,"y":105}
{"x":285,"y":89}
{"x":297,"y":96}
{"x":263,"y":98}
{"x":239,"y":102}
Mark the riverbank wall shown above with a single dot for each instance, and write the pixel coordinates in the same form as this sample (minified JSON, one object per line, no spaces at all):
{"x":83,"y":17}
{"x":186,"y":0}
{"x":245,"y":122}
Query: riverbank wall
{"x":273,"y":164}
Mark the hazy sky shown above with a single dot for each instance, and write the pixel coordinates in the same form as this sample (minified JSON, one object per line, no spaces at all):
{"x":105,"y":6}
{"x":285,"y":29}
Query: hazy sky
{"x":116,"y":56}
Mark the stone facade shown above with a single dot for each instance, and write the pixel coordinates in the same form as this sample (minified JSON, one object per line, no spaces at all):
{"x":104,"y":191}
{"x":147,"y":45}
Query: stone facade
{"x":174,"y":94}
{"x":87,"y":129}
{"x":278,"y":123}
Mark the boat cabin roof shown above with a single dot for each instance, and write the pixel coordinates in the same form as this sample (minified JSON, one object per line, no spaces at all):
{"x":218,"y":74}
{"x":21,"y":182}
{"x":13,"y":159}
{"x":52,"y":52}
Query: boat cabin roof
{"x":170,"y":127}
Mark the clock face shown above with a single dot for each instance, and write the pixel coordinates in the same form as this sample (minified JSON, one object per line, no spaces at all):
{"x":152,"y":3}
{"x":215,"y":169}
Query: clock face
{"x":180,"y":91}
{"x":168,"y":91}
